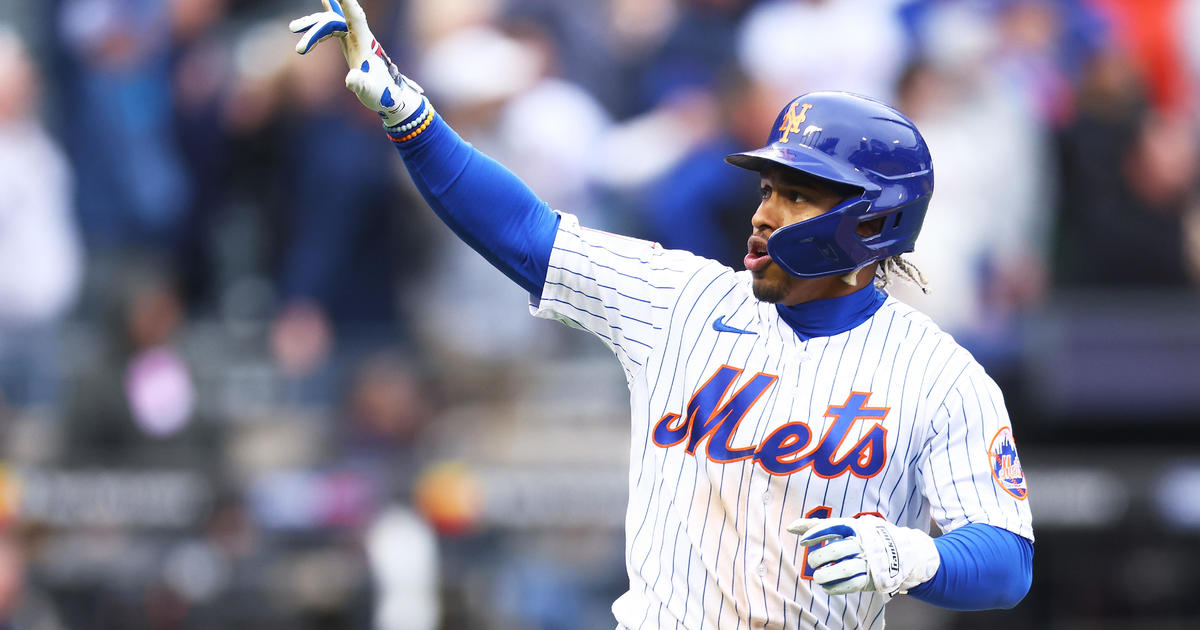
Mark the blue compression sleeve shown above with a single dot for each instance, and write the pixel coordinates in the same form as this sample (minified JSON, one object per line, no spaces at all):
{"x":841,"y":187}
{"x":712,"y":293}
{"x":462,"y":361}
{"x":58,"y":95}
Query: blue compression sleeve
{"x":486,"y":205}
{"x":983,"y":567}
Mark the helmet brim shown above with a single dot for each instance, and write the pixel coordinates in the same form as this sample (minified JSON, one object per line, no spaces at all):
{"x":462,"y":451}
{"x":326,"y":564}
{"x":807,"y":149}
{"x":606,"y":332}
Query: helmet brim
{"x":802,"y":159}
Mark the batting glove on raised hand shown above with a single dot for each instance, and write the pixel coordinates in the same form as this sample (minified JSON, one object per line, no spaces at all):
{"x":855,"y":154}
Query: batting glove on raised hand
{"x":866,"y":554}
{"x":372,"y":77}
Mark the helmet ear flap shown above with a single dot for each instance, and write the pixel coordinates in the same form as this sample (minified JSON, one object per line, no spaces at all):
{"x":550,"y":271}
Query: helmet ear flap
{"x":824,"y":245}
{"x":899,"y":229}
{"x":871,"y":228}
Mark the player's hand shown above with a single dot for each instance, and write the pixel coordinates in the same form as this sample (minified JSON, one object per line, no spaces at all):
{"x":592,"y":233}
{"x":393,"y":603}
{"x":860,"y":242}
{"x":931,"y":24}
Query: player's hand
{"x":372,"y":77}
{"x":318,"y":27}
{"x":866,"y":554}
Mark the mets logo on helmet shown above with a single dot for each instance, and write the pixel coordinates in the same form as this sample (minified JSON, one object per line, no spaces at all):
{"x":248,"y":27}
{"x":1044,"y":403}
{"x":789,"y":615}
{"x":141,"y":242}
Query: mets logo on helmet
{"x":792,"y":121}
{"x":1006,"y":466}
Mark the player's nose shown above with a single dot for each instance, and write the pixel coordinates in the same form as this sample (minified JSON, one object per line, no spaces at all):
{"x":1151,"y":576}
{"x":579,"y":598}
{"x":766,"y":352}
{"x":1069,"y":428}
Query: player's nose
{"x":765,"y":217}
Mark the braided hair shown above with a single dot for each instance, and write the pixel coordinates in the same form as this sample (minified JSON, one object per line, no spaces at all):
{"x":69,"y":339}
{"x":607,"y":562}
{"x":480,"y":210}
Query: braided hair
{"x":898,"y":267}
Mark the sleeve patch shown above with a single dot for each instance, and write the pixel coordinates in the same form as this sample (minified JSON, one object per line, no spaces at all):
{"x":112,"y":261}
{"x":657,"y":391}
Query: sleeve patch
{"x":1006,"y":465}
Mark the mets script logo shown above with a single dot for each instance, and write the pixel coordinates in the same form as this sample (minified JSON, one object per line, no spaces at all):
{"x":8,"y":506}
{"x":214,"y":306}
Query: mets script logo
{"x":792,"y":120}
{"x":1006,"y":466}
{"x":713,"y":416}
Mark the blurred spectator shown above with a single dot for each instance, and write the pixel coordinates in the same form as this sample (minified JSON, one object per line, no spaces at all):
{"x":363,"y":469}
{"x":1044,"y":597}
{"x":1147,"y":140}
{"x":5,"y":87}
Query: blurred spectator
{"x":635,"y":30}
{"x":23,"y":606}
{"x":1148,"y":30}
{"x":584,"y":47}
{"x":434,"y":20}
{"x":40,"y":258}
{"x":343,"y":254}
{"x":693,"y":102}
{"x":684,"y":46}
{"x":133,"y":189}
{"x":1128,"y":177}
{"x":1187,"y":26}
{"x":804,"y":45}
{"x":386,"y":409}
{"x":518,"y":109}
{"x":1026,"y":46}
{"x":12,"y":576}
{"x":698,"y":108}
{"x":642,"y":149}
{"x":201,"y":74}
{"x":983,"y":245}
{"x":403,"y":556}
{"x":500,"y":91}
{"x":1028,"y":57}
{"x":702,"y":204}
{"x":135,"y":405}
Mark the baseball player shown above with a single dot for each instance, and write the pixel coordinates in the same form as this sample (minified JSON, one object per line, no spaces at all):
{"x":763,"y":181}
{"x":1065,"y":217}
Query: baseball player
{"x":794,"y":428}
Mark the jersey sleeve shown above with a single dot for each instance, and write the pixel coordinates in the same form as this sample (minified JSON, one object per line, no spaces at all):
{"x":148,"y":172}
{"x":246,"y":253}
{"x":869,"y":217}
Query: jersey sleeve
{"x":620,"y":289}
{"x":970,"y":469}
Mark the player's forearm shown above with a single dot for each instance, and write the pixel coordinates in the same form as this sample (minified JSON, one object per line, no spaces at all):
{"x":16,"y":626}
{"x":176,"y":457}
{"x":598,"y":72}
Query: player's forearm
{"x":982,"y":568}
{"x":485,"y":204}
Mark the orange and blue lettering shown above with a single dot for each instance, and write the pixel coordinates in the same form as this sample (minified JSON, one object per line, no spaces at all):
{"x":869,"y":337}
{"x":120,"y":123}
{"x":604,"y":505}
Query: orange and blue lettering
{"x":780,"y":452}
{"x":784,"y":442}
{"x":865,"y":459}
{"x":708,"y":421}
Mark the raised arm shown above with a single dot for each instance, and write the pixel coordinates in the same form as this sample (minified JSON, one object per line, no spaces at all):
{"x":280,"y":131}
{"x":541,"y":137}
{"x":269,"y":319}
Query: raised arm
{"x":485,"y":204}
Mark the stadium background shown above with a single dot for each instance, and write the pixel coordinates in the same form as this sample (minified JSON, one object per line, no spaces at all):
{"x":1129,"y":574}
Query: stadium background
{"x":247,"y":380}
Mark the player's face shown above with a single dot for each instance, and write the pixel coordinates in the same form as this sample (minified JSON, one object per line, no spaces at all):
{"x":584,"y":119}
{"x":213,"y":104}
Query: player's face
{"x":788,"y":197}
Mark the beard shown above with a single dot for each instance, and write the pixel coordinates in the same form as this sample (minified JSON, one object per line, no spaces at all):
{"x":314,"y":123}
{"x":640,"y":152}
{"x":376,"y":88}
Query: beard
{"x":769,"y":289}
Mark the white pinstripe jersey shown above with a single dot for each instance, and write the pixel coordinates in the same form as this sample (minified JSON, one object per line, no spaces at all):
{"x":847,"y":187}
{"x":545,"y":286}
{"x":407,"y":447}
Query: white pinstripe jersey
{"x":736,"y":432}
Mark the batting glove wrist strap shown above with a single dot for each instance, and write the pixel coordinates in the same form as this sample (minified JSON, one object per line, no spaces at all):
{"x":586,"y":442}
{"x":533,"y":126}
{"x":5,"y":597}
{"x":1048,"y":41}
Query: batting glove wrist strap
{"x":860,"y":554}
{"x":396,"y":102}
{"x":414,"y":125}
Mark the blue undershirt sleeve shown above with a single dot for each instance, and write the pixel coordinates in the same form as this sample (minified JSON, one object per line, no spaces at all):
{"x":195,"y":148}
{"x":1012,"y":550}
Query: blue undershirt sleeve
{"x":983,"y":567}
{"x":485,"y":204}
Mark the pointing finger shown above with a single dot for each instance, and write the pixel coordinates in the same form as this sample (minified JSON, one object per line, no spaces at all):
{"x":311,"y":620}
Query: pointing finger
{"x":828,"y":533}
{"x":355,"y":16}
{"x":357,"y":44}
{"x":318,"y":34}
{"x":333,"y":5}
{"x":299,"y":25}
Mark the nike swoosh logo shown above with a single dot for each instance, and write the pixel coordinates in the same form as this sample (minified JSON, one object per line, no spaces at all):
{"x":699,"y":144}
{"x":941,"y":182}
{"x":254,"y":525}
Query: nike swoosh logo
{"x":719,"y":325}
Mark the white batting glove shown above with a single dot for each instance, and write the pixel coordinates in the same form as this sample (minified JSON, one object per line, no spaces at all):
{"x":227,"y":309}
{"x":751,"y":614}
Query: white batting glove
{"x":372,"y":77}
{"x":318,"y":27}
{"x":866,"y":554}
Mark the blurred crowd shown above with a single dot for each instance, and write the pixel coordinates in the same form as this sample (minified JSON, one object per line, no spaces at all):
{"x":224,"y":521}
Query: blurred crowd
{"x":248,"y":380}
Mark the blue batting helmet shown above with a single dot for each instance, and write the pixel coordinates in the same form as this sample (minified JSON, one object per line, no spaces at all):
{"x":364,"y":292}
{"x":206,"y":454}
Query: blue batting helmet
{"x":860,"y":142}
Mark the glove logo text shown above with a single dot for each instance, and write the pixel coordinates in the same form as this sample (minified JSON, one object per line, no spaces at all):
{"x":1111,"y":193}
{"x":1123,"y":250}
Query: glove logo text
{"x":892,"y":552}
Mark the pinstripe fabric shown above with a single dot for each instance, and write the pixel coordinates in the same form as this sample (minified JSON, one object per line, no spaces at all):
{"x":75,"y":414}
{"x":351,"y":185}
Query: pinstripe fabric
{"x":705,"y":544}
